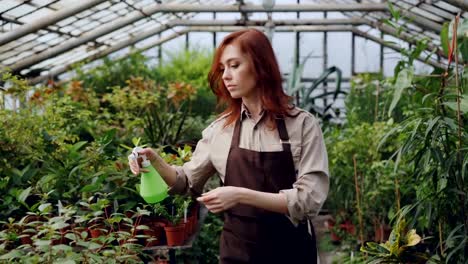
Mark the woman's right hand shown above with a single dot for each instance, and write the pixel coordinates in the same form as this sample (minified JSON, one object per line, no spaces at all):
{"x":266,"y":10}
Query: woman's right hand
{"x":135,"y":165}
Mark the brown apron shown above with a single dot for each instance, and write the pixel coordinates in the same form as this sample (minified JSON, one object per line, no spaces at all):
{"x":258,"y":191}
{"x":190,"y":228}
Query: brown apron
{"x":254,"y":235}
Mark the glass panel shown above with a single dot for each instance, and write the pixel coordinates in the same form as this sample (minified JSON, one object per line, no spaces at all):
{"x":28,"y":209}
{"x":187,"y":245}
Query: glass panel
{"x":339,"y":51}
{"x":283,"y":44}
{"x":367,"y":55}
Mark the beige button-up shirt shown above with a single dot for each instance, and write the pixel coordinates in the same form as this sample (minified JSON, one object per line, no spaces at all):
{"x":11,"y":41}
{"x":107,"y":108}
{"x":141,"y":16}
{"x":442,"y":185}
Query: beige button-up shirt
{"x":310,"y":190}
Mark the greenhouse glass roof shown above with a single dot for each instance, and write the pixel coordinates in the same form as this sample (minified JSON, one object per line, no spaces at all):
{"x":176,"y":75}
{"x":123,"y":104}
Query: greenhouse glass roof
{"x":43,"y":38}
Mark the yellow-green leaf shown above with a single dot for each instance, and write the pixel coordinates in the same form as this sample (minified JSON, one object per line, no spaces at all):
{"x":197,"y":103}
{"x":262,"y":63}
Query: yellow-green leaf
{"x":412,"y":238}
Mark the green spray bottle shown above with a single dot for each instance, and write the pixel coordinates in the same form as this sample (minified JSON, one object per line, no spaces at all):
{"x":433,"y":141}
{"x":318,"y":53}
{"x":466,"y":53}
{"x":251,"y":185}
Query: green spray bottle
{"x":153,"y":188}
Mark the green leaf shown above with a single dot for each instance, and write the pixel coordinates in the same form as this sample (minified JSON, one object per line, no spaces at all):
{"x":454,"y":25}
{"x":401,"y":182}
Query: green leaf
{"x":108,"y":137}
{"x":42,"y":243}
{"x":463,"y":105}
{"x":444,"y":40}
{"x":93,"y":245}
{"x":70,"y":174}
{"x":442,"y":184}
{"x":24,"y":194}
{"x":96,"y":184}
{"x":59,"y":225}
{"x":78,"y":145}
{"x":404,"y":79}
{"x":45,"y":207}
{"x":463,"y":48}
{"x":431,"y":125}
{"x":451,"y":123}
{"x":412,"y":239}
{"x":65,"y":248}
{"x":68,"y":261}
{"x":136,"y":141}
{"x":12,"y":255}
{"x":395,"y":13}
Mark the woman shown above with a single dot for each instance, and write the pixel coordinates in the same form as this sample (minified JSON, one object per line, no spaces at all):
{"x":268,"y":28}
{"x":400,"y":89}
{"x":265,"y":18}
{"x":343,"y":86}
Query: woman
{"x":270,"y":156}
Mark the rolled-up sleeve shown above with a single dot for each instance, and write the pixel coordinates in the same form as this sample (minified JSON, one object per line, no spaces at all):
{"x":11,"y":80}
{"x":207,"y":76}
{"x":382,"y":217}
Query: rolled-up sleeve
{"x":310,"y":190}
{"x":192,"y":176}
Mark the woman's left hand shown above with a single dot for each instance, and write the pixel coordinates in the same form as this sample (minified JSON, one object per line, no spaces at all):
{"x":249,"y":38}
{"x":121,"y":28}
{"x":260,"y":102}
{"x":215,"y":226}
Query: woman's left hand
{"x":221,"y":198}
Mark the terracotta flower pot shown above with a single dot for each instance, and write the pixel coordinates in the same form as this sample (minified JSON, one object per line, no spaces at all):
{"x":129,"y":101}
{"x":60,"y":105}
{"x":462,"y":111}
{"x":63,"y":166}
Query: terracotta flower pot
{"x":175,"y":235}
{"x":96,"y":231}
{"x":26,"y":238}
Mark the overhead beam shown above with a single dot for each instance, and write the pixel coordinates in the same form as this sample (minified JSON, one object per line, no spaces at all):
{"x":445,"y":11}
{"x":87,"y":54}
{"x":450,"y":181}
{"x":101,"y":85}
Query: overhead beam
{"x":384,"y":43}
{"x":86,"y":37}
{"x":43,"y":22}
{"x":68,"y":45}
{"x":150,"y":10}
{"x":403,"y":36}
{"x":155,"y":31}
{"x":462,"y":4}
{"x":249,"y":8}
{"x":105,"y":53}
{"x":299,"y":28}
{"x":420,"y":20}
{"x":147,"y":46}
{"x":276,"y":22}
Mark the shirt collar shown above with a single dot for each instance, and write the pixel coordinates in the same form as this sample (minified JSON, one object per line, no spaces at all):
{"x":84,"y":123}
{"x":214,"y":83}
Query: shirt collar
{"x":246,"y":113}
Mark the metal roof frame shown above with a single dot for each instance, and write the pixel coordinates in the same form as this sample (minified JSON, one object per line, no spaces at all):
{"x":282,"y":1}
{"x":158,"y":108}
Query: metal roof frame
{"x":96,"y":28}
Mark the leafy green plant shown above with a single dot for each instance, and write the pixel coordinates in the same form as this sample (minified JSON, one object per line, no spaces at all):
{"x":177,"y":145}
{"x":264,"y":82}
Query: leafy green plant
{"x":355,"y":150}
{"x":400,"y":248}
{"x":308,"y":97}
{"x":10,"y":234}
{"x":62,"y":238}
{"x":64,"y":144}
{"x":368,"y":100}
{"x":114,"y":72}
{"x":173,"y":209}
{"x":435,"y":149}
{"x":190,"y":66}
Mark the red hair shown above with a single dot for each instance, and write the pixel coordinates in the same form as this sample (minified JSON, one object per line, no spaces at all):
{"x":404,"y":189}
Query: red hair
{"x":259,"y":51}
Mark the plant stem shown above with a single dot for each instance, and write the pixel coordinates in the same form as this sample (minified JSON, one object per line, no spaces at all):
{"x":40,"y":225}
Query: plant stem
{"x":107,"y":218}
{"x":376,"y":114}
{"x":397,"y":190}
{"x":440,"y":239}
{"x":459,"y":121}
{"x":357,"y":201}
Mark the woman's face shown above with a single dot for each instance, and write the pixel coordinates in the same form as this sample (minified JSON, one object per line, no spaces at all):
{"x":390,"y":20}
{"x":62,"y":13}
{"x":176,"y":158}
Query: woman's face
{"x":238,"y":75}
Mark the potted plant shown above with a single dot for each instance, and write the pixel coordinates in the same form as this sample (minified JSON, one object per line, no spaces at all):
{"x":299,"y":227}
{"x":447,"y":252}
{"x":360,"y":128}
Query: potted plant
{"x":173,"y":212}
{"x":94,"y":216}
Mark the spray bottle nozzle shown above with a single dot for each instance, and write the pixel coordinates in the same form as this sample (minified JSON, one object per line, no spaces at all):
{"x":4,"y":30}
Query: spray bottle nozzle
{"x":135,"y":152}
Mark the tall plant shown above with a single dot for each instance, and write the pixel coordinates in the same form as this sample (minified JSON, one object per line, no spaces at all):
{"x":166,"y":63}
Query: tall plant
{"x":436,"y":148}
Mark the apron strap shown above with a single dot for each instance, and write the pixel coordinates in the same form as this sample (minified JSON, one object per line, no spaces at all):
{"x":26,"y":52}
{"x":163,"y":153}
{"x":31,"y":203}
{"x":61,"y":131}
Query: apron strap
{"x":283,"y":134}
{"x":236,"y":135}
